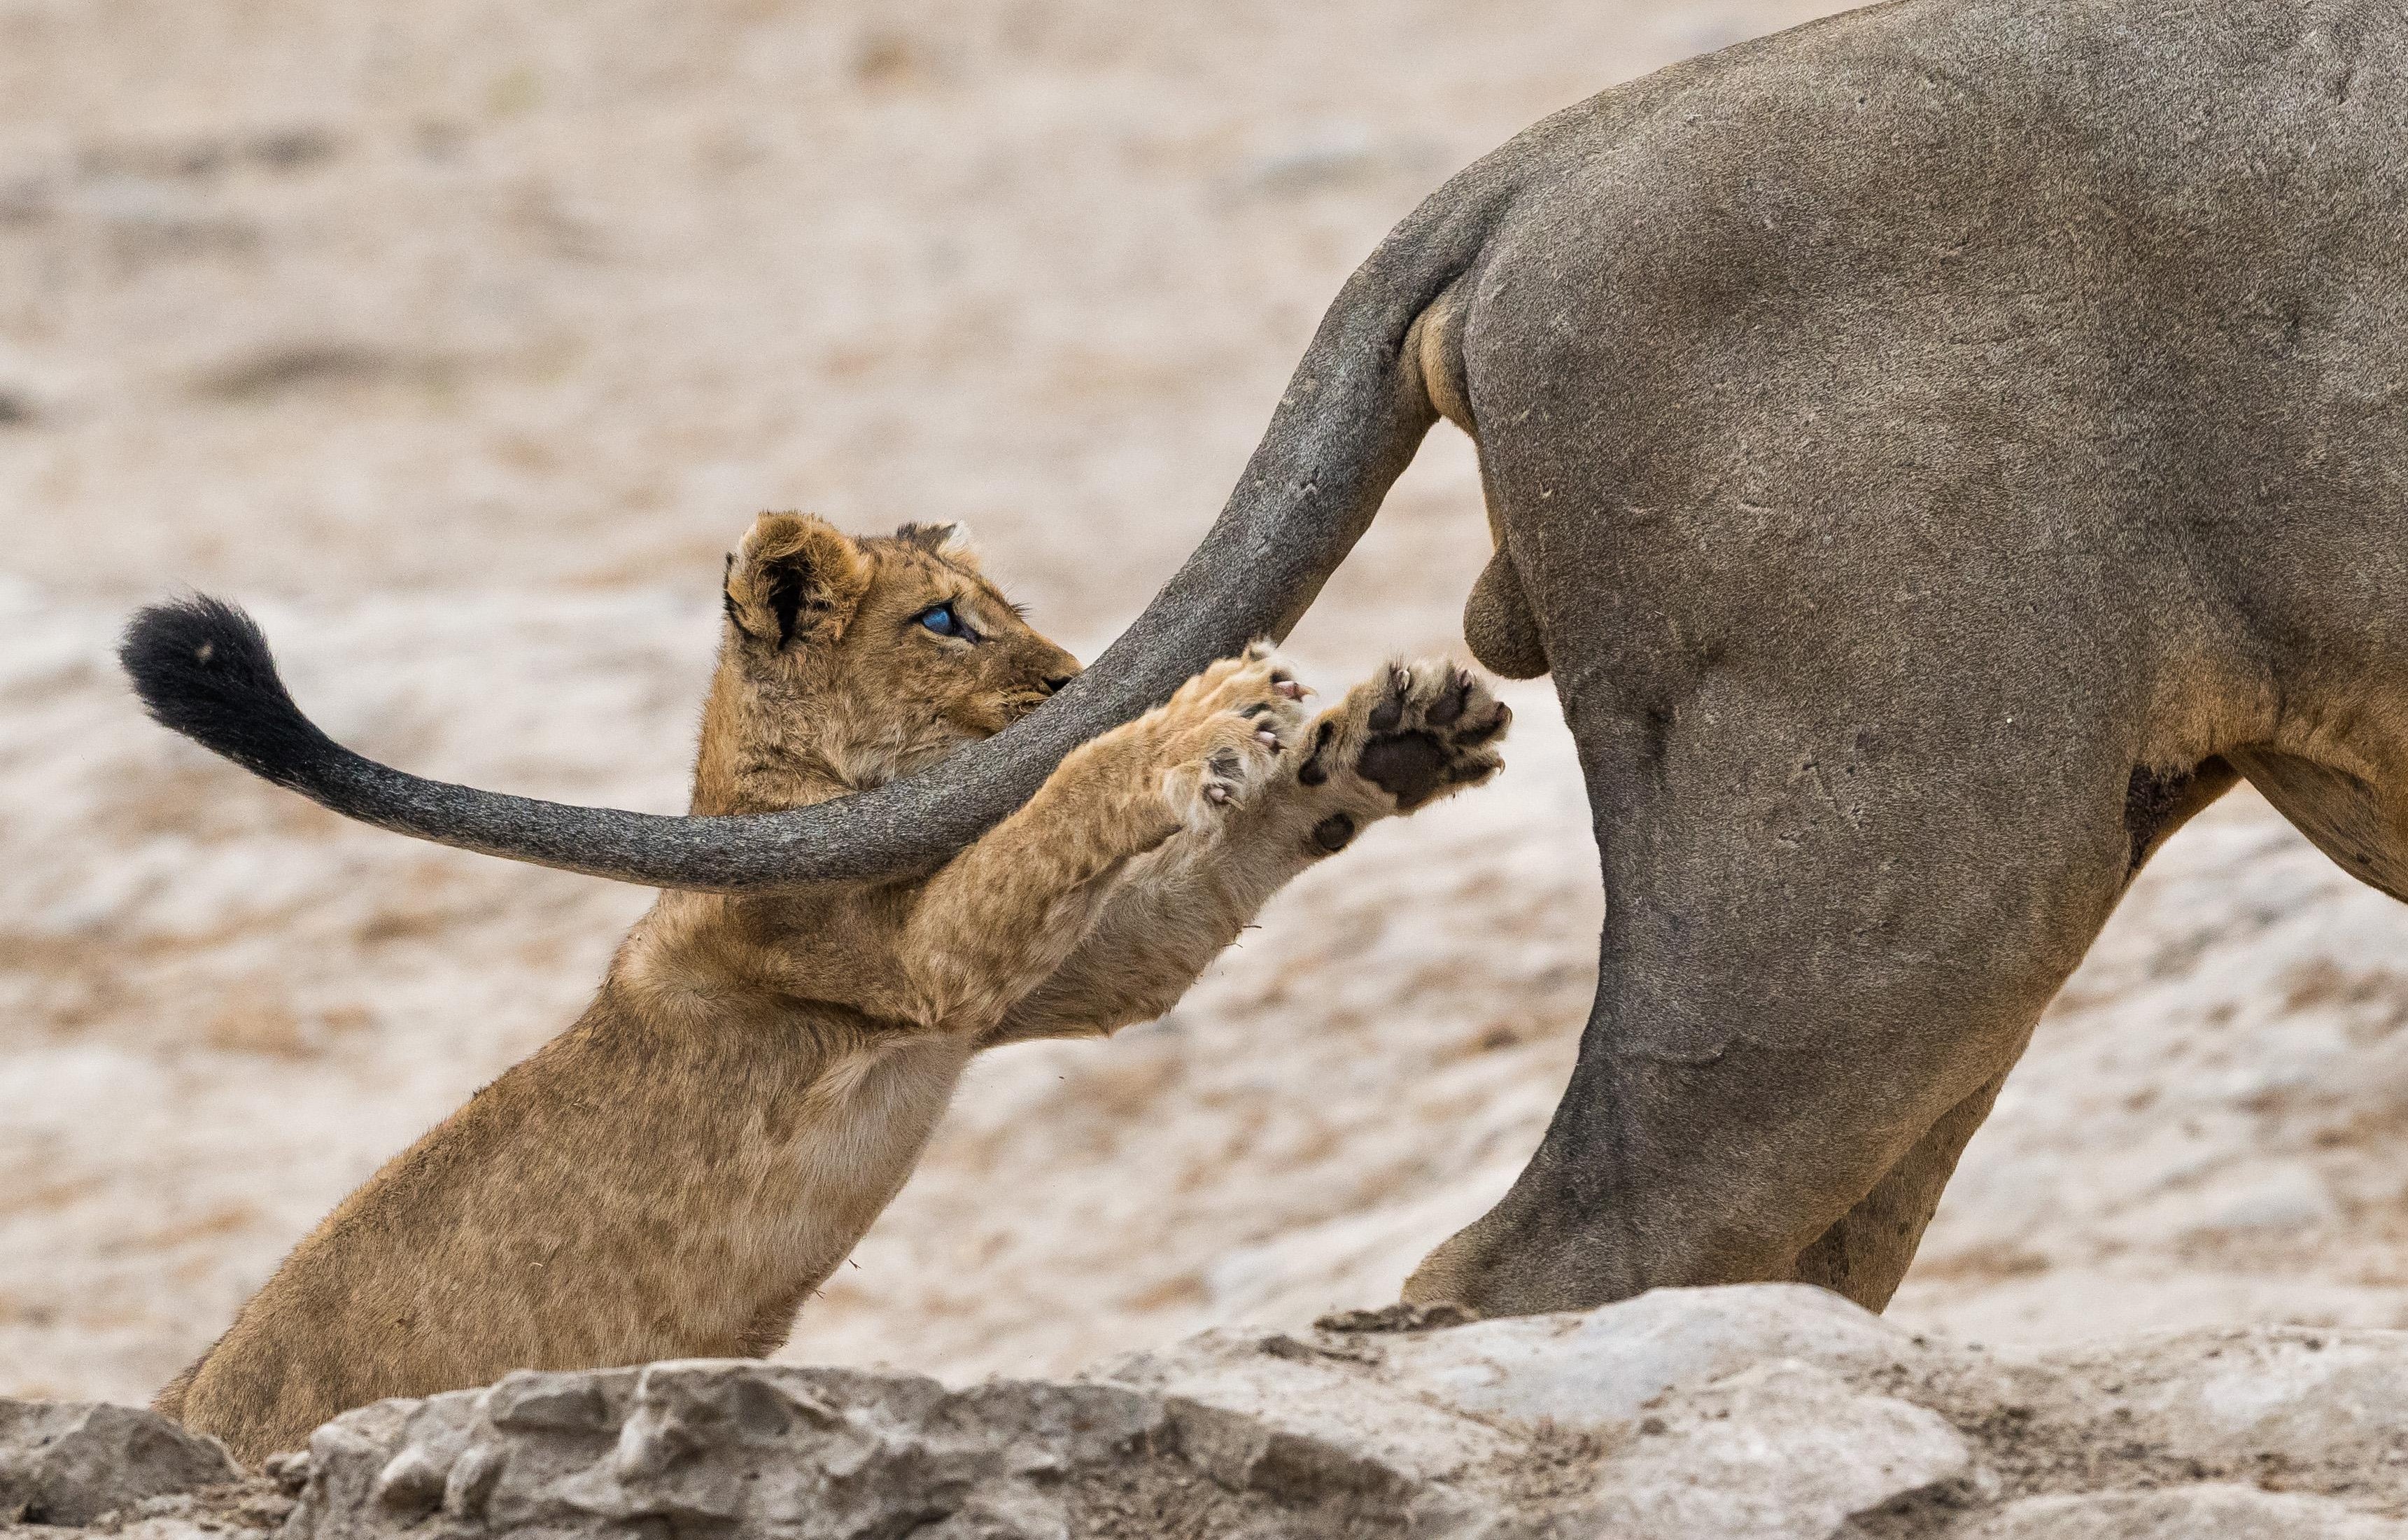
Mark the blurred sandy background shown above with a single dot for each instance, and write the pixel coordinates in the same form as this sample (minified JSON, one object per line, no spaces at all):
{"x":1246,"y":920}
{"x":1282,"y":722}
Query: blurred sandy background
{"x":460,"y":340}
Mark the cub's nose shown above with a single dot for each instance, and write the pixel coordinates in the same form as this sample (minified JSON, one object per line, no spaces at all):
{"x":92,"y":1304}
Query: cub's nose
{"x":1057,"y":681}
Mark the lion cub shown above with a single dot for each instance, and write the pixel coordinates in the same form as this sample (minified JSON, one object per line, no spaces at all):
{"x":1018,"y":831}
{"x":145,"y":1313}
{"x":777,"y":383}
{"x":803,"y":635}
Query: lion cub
{"x":757,"y":1075}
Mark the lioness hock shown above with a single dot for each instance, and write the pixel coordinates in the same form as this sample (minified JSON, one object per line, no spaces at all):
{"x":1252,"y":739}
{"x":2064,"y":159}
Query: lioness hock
{"x":1937,"y":451}
{"x":757,"y":1074}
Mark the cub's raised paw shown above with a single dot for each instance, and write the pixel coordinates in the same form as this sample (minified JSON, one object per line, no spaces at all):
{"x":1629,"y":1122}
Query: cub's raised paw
{"x":1417,"y":731}
{"x":1224,"y":734}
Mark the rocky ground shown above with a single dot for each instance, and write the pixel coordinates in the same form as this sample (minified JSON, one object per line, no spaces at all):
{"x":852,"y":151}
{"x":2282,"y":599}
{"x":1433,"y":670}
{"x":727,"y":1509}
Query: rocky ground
{"x":1772,"y":1412}
{"x":460,"y":341}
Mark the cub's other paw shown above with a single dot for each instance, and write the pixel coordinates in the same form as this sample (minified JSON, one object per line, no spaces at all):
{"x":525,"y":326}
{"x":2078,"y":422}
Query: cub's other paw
{"x":1224,"y":735}
{"x":1418,"y":731}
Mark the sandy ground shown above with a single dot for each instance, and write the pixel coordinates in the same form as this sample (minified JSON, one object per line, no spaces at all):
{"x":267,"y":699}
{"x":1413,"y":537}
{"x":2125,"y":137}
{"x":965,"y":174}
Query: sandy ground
{"x":461,"y":340}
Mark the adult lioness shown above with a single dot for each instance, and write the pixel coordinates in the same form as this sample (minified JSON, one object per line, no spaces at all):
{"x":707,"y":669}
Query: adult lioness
{"x":757,"y":1075}
{"x":1936,"y":451}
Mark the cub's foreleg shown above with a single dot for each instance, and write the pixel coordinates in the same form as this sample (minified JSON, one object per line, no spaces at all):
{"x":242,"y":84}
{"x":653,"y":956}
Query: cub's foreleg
{"x":999,"y":918}
{"x":1410,"y":735}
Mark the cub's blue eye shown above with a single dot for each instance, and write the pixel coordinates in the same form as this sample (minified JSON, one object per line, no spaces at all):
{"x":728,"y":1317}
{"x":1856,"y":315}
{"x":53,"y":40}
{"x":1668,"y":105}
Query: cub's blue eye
{"x":943,"y":620}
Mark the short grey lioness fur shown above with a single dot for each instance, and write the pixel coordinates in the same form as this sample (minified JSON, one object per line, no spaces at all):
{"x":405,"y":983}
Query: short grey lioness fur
{"x":1936,"y":451}
{"x":757,"y":1074}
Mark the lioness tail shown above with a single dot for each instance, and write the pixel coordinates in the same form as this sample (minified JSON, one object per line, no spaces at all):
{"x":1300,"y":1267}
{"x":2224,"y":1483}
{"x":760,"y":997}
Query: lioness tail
{"x":203,"y":668}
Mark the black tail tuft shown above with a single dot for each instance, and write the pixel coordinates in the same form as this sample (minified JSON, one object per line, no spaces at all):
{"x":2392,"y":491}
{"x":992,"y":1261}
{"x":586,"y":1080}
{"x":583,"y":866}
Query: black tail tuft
{"x":202,"y":668}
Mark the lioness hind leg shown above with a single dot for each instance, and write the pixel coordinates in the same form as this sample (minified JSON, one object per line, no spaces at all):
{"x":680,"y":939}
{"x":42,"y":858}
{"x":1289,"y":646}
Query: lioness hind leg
{"x":2363,"y":828}
{"x":1867,"y":1252}
{"x":1828,"y":931}
{"x":1866,"y":1255}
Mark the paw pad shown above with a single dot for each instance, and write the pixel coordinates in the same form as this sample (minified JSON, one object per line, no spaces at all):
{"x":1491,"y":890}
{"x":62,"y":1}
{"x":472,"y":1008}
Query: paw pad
{"x":1315,"y":769}
{"x":1428,"y":732}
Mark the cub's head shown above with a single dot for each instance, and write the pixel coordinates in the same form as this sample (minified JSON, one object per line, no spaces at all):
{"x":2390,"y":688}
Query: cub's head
{"x":847,"y":663}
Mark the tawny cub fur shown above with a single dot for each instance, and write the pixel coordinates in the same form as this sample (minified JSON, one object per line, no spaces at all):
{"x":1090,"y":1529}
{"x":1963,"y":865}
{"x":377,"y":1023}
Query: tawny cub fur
{"x":674,"y":1174}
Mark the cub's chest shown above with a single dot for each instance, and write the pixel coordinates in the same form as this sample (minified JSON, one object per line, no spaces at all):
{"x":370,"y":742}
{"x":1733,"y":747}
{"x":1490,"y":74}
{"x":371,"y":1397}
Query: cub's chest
{"x":864,"y":1123}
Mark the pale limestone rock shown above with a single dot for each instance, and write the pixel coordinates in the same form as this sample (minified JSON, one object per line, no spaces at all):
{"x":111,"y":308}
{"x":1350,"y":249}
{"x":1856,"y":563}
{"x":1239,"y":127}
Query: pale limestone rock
{"x":2207,"y":1512}
{"x":1759,"y":1413}
{"x":1604,"y":1366}
{"x":1783,"y":1451}
{"x":69,"y":1463}
{"x":1328,"y":1390}
{"x":2297,"y":1406}
{"x":814,"y":1453}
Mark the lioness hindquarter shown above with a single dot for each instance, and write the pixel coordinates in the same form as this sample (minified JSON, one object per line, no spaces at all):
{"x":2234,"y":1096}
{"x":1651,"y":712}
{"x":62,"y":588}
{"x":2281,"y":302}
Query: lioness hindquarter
{"x":755,"y":1077}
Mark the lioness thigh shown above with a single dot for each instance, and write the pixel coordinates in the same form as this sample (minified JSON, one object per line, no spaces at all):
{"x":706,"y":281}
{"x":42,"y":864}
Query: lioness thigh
{"x":1833,"y":913}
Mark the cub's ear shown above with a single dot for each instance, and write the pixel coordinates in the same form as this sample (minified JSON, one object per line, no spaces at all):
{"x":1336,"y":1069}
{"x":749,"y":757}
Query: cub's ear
{"x":944,"y":540}
{"x":795,"y":579}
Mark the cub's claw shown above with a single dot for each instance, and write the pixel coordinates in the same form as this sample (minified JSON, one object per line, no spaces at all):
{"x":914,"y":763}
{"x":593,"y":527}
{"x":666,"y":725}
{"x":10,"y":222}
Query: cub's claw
{"x":1224,"y":733}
